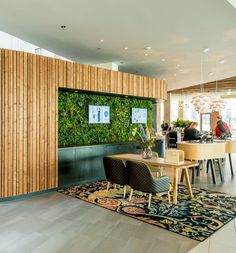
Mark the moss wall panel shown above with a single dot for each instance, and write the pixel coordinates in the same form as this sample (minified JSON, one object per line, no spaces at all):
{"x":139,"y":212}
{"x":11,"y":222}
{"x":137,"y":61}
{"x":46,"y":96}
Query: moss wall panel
{"x":74,"y":123}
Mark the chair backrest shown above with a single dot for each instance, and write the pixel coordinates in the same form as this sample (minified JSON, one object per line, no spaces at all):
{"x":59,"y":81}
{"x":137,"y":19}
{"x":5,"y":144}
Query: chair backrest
{"x":115,"y":171}
{"x":140,"y":176}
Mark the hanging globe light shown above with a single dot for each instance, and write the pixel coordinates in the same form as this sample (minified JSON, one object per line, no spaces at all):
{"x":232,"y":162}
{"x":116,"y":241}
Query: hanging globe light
{"x":201,"y":103}
{"x":218,"y":104}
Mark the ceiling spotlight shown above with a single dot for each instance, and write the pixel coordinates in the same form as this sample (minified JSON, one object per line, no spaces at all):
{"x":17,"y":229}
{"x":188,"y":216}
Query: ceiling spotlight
{"x":147,"y":48}
{"x":101,"y":41}
{"x":125,"y":48}
{"x":163,"y":59}
{"x":178,"y":65}
{"x":210,"y":73}
{"x":222,"y":61}
{"x":63,"y":27}
{"x":146,"y":54}
{"x":206,"y":50}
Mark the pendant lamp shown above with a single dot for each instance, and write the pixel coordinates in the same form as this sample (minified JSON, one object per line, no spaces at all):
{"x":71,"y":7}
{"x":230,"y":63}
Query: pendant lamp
{"x":201,"y":102}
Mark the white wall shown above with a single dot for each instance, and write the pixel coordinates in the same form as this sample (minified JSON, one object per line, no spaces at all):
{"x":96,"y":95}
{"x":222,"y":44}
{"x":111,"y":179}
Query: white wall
{"x":11,"y":42}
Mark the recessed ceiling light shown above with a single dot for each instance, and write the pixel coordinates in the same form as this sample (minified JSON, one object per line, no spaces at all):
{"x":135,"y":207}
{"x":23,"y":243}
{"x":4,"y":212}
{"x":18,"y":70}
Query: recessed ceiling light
{"x":146,"y":54}
{"x":232,"y":2}
{"x":148,"y":48}
{"x":63,"y":27}
{"x":125,"y":48}
{"x":163,"y":59}
{"x":206,"y":50}
{"x":101,"y":41}
{"x":222,"y":61}
{"x":181,"y":70}
{"x":210,"y":73}
{"x":178,"y":65}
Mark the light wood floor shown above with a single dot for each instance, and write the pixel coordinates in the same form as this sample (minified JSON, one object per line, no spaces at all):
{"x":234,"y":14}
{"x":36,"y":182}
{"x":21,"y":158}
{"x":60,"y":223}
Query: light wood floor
{"x":54,"y":222}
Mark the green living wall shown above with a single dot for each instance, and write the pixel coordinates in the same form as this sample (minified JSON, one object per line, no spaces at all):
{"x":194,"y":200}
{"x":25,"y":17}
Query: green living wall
{"x":73,"y":125}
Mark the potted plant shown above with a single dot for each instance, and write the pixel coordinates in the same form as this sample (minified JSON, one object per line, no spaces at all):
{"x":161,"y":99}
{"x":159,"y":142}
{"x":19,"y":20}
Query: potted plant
{"x":146,"y":138}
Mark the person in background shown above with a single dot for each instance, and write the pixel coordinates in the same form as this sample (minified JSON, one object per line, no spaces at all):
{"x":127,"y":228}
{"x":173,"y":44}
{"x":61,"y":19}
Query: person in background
{"x":166,"y":127}
{"x":185,"y":131}
{"x":191,"y":133}
{"x":162,"y":125}
{"x":222,"y":129}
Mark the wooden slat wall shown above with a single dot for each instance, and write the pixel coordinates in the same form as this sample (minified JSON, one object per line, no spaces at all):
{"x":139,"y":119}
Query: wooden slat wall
{"x":28,"y":113}
{"x":223,"y":85}
{"x":28,"y":129}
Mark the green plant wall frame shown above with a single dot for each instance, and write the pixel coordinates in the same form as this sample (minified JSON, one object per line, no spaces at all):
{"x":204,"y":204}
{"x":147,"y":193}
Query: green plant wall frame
{"x":73,"y":125}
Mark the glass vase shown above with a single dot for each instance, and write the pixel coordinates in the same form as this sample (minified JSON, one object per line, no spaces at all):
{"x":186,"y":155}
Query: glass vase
{"x":147,"y":153}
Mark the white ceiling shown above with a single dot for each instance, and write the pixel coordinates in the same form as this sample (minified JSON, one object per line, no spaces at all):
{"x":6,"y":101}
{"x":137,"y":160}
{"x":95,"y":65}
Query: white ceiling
{"x":177,"y":31}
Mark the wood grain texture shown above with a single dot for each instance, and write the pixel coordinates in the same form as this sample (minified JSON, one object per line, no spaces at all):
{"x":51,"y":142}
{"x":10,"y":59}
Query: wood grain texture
{"x":223,"y":85}
{"x":196,"y":151}
{"x":28,"y":113}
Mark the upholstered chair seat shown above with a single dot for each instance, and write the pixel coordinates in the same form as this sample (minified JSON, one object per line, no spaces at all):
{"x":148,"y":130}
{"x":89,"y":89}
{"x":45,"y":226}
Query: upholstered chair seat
{"x":141,"y":179}
{"x":116,"y":172}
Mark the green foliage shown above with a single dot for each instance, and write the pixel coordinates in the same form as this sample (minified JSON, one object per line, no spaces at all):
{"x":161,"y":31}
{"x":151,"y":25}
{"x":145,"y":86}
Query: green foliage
{"x":181,"y":123}
{"x":73,"y":125}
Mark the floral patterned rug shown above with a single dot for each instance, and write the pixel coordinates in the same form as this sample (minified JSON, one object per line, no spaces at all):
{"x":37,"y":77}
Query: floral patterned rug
{"x":197,"y":219}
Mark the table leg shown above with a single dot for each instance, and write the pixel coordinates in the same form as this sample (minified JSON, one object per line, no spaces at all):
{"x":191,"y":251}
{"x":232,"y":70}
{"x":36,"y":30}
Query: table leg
{"x":188,"y":183}
{"x":175,"y":186}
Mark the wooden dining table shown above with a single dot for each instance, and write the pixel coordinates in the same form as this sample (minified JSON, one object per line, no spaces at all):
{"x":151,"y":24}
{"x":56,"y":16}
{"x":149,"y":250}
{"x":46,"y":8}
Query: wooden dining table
{"x":160,"y":162}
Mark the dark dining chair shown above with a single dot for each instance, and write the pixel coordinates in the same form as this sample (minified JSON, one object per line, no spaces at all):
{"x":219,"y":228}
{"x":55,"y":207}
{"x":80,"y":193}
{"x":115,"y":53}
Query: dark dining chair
{"x":116,"y":172}
{"x":141,"y":179}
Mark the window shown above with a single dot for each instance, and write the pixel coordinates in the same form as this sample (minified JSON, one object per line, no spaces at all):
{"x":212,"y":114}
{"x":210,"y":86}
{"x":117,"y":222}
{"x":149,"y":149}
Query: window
{"x":206,"y":122}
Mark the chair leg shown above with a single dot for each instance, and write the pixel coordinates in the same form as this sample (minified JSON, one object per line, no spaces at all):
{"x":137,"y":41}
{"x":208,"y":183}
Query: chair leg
{"x":207,"y":165}
{"x":213,"y":172}
{"x":221,"y":175}
{"x":198,"y":169}
{"x":131,"y":194}
{"x":182,"y":176}
{"x":161,"y":171}
{"x":149,"y":200}
{"x":193,"y":172}
{"x":231,"y":165}
{"x":168,"y":193}
{"x":124,"y":191}
{"x":108,"y":185}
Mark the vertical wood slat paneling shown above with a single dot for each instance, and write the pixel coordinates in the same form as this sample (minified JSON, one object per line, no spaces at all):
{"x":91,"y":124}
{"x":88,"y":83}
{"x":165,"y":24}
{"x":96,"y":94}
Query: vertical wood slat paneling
{"x":25,"y":125}
{"x":5,"y":123}
{"x":28,"y":123}
{"x":28,"y":113}
{"x":1,"y":98}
